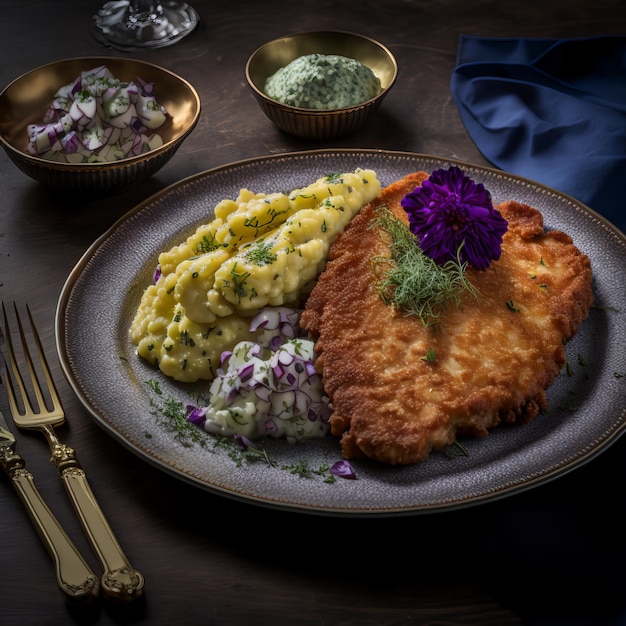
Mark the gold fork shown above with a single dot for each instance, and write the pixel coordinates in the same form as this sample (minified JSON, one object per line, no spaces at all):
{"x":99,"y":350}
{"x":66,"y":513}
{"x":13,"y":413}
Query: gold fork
{"x":120,"y":581}
{"x":74,"y":577}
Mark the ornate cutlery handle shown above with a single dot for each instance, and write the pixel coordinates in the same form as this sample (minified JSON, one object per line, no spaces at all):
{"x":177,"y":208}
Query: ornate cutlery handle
{"x":120,"y":581}
{"x":74,"y":577}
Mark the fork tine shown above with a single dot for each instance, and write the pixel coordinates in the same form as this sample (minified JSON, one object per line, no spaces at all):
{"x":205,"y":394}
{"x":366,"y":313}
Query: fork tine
{"x":57,"y":411}
{"x":17,"y":376}
{"x":54,"y":396}
{"x":120,"y":581}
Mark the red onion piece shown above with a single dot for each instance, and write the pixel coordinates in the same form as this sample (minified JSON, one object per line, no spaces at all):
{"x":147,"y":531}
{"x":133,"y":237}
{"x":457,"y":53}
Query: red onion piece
{"x":343,"y":469}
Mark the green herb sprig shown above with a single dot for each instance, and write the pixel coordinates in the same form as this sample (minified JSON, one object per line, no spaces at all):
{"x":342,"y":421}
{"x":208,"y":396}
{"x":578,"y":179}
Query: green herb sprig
{"x":413,"y":281}
{"x":170,"y":414}
{"x":260,"y":253}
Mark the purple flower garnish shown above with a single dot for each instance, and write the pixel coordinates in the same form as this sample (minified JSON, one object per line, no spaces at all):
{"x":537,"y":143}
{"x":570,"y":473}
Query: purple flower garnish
{"x":450,"y":210}
{"x":343,"y":469}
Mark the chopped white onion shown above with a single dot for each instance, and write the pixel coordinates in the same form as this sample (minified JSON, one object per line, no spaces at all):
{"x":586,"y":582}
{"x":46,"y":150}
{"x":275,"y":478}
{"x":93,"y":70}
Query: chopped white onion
{"x":97,"y":100}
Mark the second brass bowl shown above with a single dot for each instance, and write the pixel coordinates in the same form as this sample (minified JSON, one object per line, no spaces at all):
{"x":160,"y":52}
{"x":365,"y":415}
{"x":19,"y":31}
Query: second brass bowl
{"x":319,"y":123}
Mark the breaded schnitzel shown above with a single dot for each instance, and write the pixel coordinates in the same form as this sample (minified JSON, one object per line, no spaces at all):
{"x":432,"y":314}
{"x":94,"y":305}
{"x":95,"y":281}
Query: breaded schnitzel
{"x":495,"y":354}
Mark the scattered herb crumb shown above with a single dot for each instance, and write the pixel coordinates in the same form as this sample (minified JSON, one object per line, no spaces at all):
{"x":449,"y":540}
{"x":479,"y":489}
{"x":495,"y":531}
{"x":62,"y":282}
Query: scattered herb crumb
{"x":571,"y":403}
{"x":430,"y":356}
{"x":172,"y":415}
{"x":304,"y":470}
{"x":455,"y":450}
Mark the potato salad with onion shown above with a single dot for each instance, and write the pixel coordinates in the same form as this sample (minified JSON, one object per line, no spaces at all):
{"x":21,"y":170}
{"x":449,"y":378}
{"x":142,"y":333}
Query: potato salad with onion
{"x":225,"y":304}
{"x":268,"y":387}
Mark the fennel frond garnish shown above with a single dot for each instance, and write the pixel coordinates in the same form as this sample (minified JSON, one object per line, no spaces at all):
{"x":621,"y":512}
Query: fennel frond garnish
{"x":410,"y":280}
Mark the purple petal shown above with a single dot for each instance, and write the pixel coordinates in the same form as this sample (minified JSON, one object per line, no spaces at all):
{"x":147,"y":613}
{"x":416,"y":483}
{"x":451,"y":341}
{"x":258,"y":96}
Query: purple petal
{"x":448,"y":210}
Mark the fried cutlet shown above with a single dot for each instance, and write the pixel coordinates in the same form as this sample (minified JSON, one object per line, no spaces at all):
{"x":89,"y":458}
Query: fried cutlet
{"x":495,"y":354}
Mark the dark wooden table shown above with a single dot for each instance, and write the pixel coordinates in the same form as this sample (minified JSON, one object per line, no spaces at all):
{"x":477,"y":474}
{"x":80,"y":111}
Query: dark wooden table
{"x":551,"y":555}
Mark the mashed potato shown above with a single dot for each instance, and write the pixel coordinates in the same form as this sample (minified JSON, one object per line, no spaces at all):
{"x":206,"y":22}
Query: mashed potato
{"x":259,"y":250}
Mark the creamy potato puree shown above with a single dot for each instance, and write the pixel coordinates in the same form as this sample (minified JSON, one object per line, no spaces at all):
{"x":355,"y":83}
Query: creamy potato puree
{"x":260,"y":250}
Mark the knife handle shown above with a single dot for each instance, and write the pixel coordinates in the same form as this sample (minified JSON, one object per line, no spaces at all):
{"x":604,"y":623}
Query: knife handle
{"x":120,"y":582}
{"x":76,"y":580}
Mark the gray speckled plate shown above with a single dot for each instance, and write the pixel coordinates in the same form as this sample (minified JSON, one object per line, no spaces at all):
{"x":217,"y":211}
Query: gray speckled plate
{"x":99,"y":299}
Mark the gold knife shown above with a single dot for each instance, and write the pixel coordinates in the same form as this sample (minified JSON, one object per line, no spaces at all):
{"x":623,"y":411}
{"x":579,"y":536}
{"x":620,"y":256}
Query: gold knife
{"x":75,"y":578}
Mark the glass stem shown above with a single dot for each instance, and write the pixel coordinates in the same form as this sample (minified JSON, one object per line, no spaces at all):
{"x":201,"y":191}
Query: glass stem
{"x":144,"y":10}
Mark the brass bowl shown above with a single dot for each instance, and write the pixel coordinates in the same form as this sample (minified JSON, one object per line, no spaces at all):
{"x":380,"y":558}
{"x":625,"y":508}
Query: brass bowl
{"x":27,"y":98}
{"x":319,"y":123}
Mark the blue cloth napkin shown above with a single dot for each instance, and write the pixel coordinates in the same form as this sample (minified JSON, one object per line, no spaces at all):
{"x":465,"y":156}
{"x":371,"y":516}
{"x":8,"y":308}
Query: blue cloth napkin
{"x":552,"y":110}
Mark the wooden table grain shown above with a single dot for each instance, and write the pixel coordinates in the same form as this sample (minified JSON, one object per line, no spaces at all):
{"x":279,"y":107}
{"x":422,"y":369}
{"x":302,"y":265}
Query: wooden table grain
{"x":545,"y":556}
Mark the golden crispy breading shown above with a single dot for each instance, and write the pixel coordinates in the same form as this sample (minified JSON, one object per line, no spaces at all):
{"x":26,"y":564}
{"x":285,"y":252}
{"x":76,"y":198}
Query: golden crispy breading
{"x":495,"y":354}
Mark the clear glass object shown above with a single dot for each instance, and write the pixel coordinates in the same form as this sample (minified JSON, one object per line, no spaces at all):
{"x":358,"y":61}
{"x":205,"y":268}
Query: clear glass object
{"x":132,"y":24}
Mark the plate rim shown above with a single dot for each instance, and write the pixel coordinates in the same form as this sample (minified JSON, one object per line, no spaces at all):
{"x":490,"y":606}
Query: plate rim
{"x":619,"y":427}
